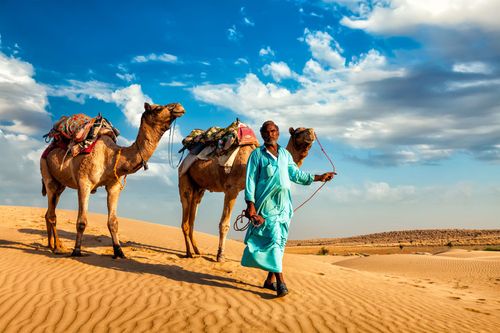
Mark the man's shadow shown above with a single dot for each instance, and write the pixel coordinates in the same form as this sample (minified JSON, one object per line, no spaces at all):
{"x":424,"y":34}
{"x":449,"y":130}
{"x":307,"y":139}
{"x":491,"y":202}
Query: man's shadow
{"x":173,"y":272}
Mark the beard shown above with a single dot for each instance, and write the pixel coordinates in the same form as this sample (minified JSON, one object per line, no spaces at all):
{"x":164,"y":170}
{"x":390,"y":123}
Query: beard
{"x":270,"y":142}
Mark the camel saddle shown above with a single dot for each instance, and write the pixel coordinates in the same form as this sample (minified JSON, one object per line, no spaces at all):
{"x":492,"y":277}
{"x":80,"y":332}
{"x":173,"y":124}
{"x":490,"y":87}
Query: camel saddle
{"x":221,"y":143}
{"x":78,"y":133}
{"x":222,"y":140}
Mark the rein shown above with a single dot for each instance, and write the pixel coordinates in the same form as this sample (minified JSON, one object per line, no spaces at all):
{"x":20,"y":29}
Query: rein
{"x":170,"y":147}
{"x":239,"y":218}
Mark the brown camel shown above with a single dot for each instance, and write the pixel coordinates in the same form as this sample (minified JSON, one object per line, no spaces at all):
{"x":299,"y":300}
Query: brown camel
{"x":106,"y":165}
{"x":208,"y":175}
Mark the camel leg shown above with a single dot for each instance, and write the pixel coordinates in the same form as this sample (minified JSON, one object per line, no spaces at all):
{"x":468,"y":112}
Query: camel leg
{"x":197,"y":196}
{"x":186,"y":196}
{"x":229,"y":200}
{"x":53,"y":191}
{"x":113,"y":195}
{"x":81,"y":223}
{"x":51,"y":220}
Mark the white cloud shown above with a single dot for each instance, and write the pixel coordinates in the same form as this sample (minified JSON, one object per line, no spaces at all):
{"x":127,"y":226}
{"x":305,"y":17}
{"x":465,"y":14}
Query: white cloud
{"x":79,"y":91}
{"x":397,"y":16}
{"x":131,"y":101}
{"x":233,"y":34}
{"x":278,"y":70}
{"x":247,"y":21}
{"x":173,"y":84}
{"x":164,"y":57}
{"x":368,"y":103}
{"x":266,"y":51}
{"x":22,"y":99}
{"x":240,"y":61}
{"x":475,"y":67}
{"x":320,"y":44}
{"x":127,"y":77}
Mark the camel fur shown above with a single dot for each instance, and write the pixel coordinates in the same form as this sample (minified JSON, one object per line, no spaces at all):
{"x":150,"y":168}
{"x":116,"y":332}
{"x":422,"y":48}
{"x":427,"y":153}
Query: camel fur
{"x":208,"y":175}
{"x":106,"y":166}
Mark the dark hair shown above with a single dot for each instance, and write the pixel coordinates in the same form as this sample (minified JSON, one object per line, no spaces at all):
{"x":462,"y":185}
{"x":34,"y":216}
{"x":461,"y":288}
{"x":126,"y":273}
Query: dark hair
{"x":267,"y":123}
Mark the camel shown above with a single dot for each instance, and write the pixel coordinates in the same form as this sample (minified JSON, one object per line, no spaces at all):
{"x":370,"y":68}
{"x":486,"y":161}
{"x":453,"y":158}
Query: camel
{"x":208,"y":175}
{"x":106,"y":165}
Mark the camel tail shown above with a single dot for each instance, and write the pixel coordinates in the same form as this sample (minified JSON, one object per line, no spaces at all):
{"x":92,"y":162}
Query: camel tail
{"x":44,"y":190}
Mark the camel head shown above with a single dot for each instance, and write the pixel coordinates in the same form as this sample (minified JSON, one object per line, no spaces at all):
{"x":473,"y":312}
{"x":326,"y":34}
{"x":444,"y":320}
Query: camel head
{"x":161,"y":116}
{"x":302,"y":138}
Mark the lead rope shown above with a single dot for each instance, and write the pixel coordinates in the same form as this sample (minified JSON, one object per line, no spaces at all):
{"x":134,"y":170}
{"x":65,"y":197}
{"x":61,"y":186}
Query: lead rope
{"x":334,"y":170}
{"x":239,"y":218}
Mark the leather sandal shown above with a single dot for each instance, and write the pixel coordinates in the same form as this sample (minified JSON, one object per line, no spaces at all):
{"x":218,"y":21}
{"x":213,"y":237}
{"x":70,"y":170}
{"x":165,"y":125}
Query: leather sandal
{"x":282,"y":290}
{"x":271,"y":285}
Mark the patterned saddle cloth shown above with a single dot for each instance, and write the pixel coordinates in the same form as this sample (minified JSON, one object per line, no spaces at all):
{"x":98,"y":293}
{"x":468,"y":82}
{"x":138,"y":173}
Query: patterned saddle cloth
{"x":223,"y":140}
{"x":78,"y":133}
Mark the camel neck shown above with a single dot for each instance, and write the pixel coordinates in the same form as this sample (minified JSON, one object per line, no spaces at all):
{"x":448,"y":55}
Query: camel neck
{"x":134,"y":156}
{"x":298,"y":156}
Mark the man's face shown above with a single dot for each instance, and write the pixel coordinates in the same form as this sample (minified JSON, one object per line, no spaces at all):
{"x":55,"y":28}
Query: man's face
{"x":270,"y":134}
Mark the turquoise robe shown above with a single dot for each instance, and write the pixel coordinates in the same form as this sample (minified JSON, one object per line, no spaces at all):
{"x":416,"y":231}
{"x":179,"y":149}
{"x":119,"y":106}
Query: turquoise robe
{"x":268,"y":184}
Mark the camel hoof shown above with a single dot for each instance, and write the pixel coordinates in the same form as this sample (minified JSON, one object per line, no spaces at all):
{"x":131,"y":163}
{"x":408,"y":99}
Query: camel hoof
{"x":220,"y":257}
{"x":59,"y":250}
{"x":76,"y":253}
{"x":118,"y":253}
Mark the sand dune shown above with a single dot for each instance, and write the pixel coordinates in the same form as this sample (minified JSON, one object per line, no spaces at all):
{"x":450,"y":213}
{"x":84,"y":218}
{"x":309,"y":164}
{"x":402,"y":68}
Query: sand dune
{"x":157,"y":290}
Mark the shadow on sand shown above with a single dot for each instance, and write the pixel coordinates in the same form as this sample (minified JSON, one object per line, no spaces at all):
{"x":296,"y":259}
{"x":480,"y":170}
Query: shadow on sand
{"x":173,"y":272}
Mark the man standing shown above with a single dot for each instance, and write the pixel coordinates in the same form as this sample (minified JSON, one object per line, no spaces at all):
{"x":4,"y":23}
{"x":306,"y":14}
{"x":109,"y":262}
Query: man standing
{"x":270,"y":170}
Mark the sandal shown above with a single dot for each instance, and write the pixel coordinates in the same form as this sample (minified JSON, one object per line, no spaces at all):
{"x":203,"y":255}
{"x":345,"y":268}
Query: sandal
{"x":282,"y":290}
{"x":270,"y":285}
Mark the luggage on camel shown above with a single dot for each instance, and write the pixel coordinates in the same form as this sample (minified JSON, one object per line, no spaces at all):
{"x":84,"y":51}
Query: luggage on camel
{"x":222,"y":139}
{"x":217,"y":142}
{"x":78,"y":133}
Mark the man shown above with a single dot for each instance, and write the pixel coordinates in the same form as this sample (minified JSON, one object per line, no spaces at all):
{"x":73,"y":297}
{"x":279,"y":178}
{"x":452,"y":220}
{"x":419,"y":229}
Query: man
{"x":270,"y":169}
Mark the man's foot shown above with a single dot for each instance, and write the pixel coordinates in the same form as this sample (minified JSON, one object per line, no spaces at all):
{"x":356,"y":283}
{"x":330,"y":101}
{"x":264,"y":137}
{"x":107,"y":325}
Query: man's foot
{"x":281,"y":290}
{"x":270,"y":285}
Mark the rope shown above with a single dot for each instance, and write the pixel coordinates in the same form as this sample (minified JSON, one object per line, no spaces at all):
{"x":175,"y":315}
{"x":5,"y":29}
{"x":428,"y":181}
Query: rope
{"x":116,"y":175}
{"x":334,"y":170}
{"x":239,"y":218}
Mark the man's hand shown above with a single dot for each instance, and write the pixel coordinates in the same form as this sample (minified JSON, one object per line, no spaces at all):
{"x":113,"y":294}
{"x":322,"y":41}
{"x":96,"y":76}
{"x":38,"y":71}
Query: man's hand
{"x":327,"y":176}
{"x":257,"y":220}
{"x":251,"y":214}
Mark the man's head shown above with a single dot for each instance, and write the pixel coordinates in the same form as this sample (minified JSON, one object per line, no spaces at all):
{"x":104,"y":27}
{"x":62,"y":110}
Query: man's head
{"x":270,"y":132}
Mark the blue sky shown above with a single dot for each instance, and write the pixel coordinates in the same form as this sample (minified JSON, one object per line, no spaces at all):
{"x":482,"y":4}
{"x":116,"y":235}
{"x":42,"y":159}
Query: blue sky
{"x":403,"y":94}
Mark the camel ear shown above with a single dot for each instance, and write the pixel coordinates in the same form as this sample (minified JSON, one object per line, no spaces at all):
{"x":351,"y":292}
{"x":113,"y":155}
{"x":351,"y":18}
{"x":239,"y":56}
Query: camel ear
{"x":147,"y":107}
{"x":291,"y":130}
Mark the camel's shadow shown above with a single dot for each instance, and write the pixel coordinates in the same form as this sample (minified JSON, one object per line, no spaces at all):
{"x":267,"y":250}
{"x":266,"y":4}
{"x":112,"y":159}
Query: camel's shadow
{"x":172,"y":272}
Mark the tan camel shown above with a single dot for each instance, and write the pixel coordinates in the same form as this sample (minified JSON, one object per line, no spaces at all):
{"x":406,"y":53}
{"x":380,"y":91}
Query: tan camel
{"x":104,"y":166}
{"x":208,"y":175}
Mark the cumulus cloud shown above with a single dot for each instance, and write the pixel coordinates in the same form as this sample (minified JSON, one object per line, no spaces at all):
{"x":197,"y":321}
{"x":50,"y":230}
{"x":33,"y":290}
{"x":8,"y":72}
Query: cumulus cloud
{"x":164,"y":57}
{"x":397,"y":16}
{"x":22,"y":99}
{"x":278,"y":70}
{"x":400,"y":115}
{"x":131,"y":101}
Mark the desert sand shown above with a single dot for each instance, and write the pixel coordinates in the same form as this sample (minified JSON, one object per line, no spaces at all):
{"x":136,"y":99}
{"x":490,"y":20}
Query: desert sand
{"x":157,"y":290}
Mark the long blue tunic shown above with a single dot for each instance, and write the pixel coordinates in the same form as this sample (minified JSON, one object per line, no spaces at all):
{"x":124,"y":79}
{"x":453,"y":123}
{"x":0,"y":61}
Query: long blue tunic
{"x":268,"y":184}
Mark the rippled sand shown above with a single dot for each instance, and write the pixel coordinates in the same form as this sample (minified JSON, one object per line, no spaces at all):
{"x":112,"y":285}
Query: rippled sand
{"x":157,"y":290}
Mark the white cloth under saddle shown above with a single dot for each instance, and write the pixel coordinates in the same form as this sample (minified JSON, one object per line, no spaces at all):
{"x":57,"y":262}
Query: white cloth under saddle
{"x":225,"y":161}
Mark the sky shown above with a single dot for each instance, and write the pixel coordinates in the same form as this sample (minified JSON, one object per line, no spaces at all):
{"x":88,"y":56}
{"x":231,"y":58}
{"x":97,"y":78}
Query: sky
{"x":403,"y":94}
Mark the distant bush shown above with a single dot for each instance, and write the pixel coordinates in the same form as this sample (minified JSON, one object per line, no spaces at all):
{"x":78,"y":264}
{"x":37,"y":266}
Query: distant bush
{"x":323,"y":251}
{"x":497,"y":248}
{"x":449,"y":244}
